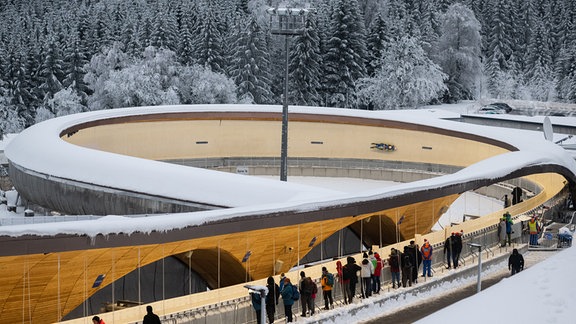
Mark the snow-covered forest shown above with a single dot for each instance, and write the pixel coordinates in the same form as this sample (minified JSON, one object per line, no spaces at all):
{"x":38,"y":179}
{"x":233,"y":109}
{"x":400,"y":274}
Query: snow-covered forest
{"x":59,"y":57}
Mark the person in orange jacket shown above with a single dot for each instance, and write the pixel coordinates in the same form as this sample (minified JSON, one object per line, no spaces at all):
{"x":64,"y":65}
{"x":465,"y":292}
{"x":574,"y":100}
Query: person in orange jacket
{"x":426,"y":251}
{"x":327,"y":282}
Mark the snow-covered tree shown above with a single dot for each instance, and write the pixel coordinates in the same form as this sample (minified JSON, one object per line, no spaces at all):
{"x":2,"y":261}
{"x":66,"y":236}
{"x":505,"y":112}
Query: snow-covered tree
{"x":98,"y":72}
{"x":200,"y":85}
{"x":378,"y":38}
{"x":10,"y":121}
{"x":499,"y":44}
{"x":66,"y":102}
{"x":148,"y":82}
{"x":305,"y":66}
{"x":459,"y":51}
{"x":406,"y":78}
{"x":209,"y":46}
{"x":74,"y":63}
{"x":345,"y":58}
{"x":250,"y":65}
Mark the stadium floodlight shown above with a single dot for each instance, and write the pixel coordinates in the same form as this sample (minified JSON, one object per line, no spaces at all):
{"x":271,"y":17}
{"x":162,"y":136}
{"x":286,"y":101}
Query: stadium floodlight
{"x":287,"y":22}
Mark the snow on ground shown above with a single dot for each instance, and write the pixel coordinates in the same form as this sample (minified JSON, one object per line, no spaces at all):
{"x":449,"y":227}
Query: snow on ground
{"x":542,"y":293}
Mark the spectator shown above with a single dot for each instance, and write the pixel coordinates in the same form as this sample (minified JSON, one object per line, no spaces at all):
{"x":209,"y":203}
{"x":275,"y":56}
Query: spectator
{"x":394,"y":262}
{"x":287,"y":293}
{"x":343,"y":283}
{"x":257,"y":305}
{"x":515,"y":262}
{"x":150,"y":317}
{"x":426,"y":251}
{"x":509,"y":224}
{"x":349,"y":272}
{"x":502,"y":231}
{"x":448,"y":250}
{"x":366,"y":274}
{"x":327,"y":282}
{"x":534,"y":229}
{"x":306,"y":290}
{"x":97,"y":320}
{"x":416,"y":260}
{"x":506,"y":201}
{"x":377,"y":273}
{"x":272,"y":298}
{"x":456,"y":248}
{"x":406,"y":264}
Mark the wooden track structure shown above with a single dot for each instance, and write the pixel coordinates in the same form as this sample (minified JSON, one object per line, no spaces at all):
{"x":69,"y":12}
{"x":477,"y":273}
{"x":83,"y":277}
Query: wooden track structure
{"x":45,"y":277}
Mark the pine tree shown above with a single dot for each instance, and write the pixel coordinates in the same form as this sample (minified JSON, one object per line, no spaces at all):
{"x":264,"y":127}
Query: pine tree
{"x":305,"y":63}
{"x":250,"y":65}
{"x":379,"y":37}
{"x":346,"y":53}
{"x":163,"y":33}
{"x":52,"y":71}
{"x":499,"y":46}
{"x":565,"y":70}
{"x":74,"y":63}
{"x":209,"y":51}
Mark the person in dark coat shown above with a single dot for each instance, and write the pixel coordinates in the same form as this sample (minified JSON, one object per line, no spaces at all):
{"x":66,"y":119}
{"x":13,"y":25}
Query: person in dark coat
{"x":306,"y":291}
{"x":394,"y":262}
{"x":350,"y":272}
{"x":416,"y":259}
{"x":150,"y":317}
{"x":272,"y":298}
{"x":406,"y":264}
{"x":448,"y":250}
{"x":515,"y":262}
{"x":456,"y":240}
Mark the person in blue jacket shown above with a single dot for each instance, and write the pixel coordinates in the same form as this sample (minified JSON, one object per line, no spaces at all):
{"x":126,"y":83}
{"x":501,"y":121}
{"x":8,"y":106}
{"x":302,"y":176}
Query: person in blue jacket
{"x":287,"y":293}
{"x":257,"y":304}
{"x":509,"y":224}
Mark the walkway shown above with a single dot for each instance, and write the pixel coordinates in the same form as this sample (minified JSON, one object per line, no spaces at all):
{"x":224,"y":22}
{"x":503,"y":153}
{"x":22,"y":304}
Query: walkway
{"x":406,"y":305}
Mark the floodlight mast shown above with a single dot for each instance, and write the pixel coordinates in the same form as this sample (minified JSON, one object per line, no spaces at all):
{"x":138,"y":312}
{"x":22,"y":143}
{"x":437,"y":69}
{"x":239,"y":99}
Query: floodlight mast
{"x":288,"y":22}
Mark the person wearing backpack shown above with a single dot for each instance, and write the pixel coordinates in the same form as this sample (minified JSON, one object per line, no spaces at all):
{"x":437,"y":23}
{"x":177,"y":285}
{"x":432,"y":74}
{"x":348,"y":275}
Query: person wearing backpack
{"x":288,"y":294}
{"x":306,"y":290}
{"x":327,"y":281}
{"x":394,"y":262}
{"x":426,"y":250}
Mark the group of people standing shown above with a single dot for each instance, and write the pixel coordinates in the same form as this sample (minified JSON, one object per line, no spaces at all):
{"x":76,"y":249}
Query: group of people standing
{"x":404,"y":267}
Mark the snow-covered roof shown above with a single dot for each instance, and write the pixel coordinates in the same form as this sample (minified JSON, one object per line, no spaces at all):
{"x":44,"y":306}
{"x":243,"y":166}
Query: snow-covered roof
{"x":40,"y":149}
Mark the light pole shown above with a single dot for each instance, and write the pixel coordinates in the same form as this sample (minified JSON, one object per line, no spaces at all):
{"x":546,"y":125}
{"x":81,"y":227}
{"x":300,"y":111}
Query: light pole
{"x":479,"y":247}
{"x":287,"y":22}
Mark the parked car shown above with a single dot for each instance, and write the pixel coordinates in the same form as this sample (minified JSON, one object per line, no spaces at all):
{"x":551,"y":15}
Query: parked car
{"x":495,"y":108}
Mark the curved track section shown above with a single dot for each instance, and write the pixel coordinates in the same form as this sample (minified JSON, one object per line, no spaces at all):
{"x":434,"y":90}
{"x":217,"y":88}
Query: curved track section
{"x":114,"y":162}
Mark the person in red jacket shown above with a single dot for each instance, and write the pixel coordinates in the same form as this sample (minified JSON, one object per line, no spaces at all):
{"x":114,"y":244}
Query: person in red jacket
{"x":97,"y":320}
{"x":377,"y":273}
